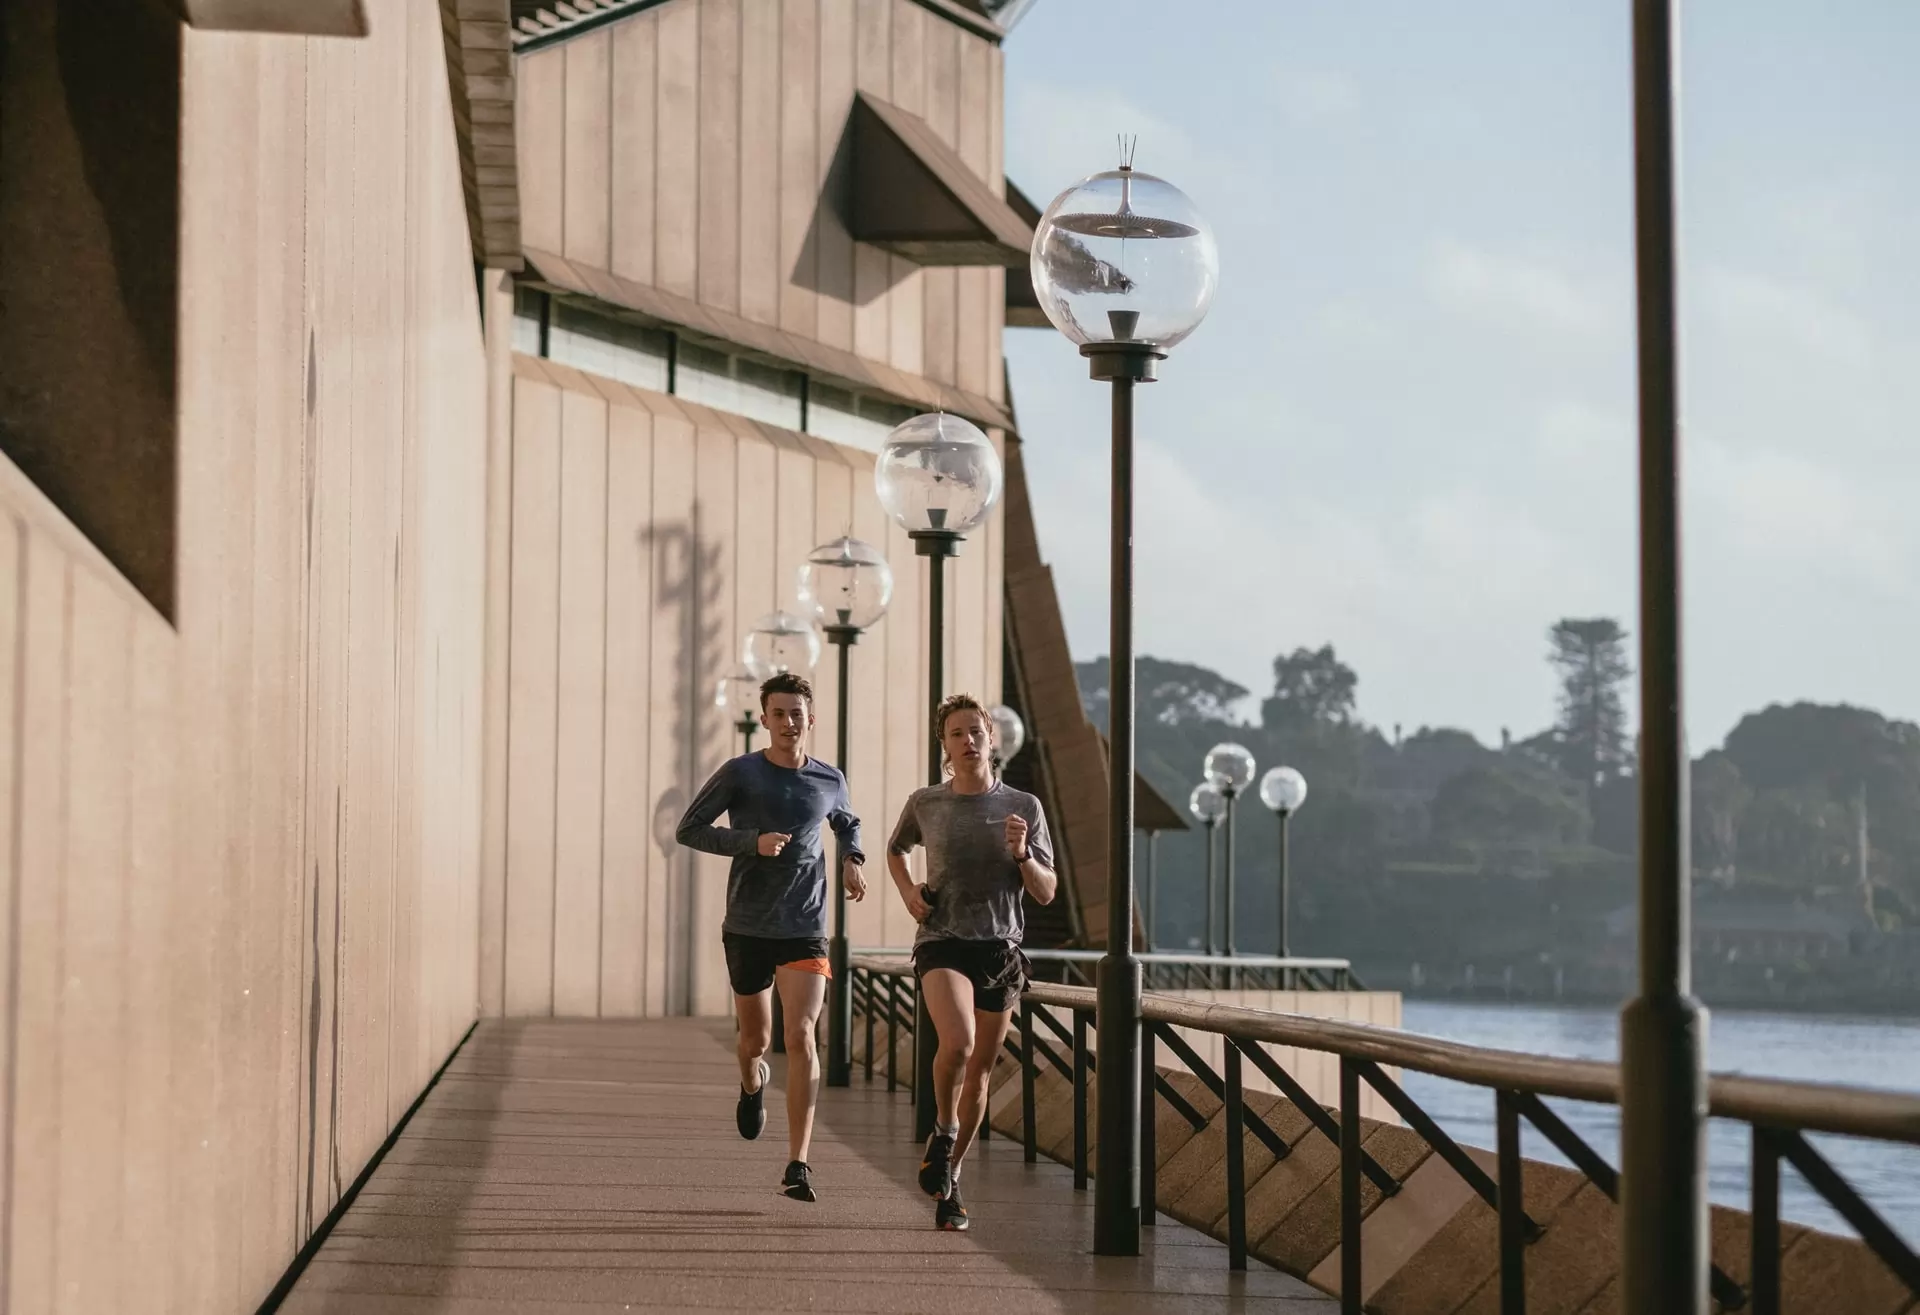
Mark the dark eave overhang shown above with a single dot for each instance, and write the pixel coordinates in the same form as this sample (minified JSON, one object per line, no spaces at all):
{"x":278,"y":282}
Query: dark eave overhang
{"x":910,"y":193}
{"x":736,"y":333}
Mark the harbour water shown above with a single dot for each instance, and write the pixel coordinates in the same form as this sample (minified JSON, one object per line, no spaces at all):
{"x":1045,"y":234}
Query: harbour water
{"x":1867,"y":1052}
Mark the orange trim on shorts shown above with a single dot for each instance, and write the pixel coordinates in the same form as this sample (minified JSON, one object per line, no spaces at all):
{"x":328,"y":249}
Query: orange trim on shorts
{"x":820,"y":966}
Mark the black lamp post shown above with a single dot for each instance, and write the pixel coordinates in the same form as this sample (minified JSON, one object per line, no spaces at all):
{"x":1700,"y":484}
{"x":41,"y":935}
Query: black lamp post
{"x":938,"y":477}
{"x":847,"y":585}
{"x":1283,"y":790}
{"x":739,"y":694}
{"x":1663,"y":1033}
{"x":1124,"y":265}
{"x":1208,"y":806}
{"x":1230,"y":768}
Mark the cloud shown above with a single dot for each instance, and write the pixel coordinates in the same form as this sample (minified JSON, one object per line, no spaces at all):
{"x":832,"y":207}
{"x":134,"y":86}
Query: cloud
{"x":1511,"y":287}
{"x":1315,"y":97}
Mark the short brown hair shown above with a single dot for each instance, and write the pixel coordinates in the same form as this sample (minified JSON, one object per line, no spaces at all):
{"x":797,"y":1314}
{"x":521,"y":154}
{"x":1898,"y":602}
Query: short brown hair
{"x":786,"y":682}
{"x":948,"y":706}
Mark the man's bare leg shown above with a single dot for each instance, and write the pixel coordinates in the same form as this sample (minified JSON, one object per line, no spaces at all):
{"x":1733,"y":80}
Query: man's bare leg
{"x":801,"y":996}
{"x":754,"y":1014}
{"x":989,"y":1032}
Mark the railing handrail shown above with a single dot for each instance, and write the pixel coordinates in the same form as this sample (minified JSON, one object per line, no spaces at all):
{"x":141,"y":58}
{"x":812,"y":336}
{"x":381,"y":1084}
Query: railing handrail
{"x":1151,"y":956}
{"x":1769,"y":1102}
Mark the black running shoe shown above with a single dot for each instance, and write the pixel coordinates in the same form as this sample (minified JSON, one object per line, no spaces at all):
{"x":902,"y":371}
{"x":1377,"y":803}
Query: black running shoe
{"x":751,"y":1113}
{"x":950,"y":1215}
{"x":798,"y":1183}
{"x":936,"y":1166}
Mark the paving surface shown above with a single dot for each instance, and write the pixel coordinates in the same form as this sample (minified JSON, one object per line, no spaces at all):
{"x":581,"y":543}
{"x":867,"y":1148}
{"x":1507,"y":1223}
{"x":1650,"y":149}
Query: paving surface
{"x":588,"y":1166}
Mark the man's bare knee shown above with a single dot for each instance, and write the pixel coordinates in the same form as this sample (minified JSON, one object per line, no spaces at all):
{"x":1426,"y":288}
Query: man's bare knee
{"x":754,"y":1041}
{"x":799,"y":1039}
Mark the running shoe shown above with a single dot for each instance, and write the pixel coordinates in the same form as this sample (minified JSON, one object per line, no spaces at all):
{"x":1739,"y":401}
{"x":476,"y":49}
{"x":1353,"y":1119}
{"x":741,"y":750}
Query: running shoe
{"x":798,"y":1183}
{"x":951,"y":1216}
{"x":936,"y":1167}
{"x":751,"y":1113}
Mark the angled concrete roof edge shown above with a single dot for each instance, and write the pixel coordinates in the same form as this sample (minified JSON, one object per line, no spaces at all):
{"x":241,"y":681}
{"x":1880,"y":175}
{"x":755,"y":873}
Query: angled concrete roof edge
{"x":952,"y":175}
{"x":724,"y":327}
{"x":538,"y":23}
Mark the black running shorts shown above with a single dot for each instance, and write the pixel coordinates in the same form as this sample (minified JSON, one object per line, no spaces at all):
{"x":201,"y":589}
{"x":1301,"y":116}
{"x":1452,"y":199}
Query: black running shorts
{"x":997,"y":969}
{"x":752,"y":959}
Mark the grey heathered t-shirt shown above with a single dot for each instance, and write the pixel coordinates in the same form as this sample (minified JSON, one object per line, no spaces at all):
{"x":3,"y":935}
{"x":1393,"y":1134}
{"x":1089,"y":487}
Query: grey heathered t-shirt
{"x":975,"y":882}
{"x":783,"y":896}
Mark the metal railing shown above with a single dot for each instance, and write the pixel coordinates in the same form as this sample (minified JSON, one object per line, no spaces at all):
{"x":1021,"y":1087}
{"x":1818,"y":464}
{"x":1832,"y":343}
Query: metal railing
{"x":1778,"y":1113}
{"x":1187,"y":972}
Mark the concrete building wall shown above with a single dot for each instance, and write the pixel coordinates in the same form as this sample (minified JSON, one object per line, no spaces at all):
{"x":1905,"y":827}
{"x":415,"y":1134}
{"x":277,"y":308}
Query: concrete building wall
{"x":693,"y":147}
{"x":239,"y":848}
{"x":647,"y":535}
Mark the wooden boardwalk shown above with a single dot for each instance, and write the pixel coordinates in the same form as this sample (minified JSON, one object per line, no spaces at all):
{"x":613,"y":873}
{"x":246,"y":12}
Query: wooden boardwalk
{"x":584,"y":1166}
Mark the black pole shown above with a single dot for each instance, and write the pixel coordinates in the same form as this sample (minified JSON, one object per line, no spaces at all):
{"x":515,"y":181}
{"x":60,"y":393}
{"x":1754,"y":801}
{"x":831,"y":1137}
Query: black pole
{"x":1233,"y":798}
{"x":1213,"y":943}
{"x":745,"y":727}
{"x":1116,"y":1200}
{"x":1284,"y":817}
{"x":936,"y":546}
{"x":1663,"y":1204}
{"x":1153,"y":885}
{"x":840,"y":985}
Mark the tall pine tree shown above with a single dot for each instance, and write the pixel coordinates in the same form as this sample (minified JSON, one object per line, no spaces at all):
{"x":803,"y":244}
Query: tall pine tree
{"x":1591,"y":658}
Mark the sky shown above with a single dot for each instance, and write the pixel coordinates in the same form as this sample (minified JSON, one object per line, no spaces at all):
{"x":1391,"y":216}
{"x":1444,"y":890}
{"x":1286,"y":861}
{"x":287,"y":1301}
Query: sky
{"x":1407,"y":427}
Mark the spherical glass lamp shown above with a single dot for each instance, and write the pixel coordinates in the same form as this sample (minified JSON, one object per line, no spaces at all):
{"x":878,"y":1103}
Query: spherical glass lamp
{"x":738,"y":694}
{"x":781,"y":641}
{"x":846,"y":583}
{"x":1124,"y":256}
{"x":1207,"y":804}
{"x":1229,"y":767}
{"x":939,"y":474}
{"x":1009,"y":732}
{"x":1283,"y":790}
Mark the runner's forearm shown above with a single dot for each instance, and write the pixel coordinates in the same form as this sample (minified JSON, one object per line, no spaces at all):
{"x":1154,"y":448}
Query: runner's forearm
{"x":1040,"y":880}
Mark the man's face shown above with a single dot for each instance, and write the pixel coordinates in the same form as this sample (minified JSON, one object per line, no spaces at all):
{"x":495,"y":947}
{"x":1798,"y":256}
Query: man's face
{"x":787,"y":718}
{"x":968,"y":739}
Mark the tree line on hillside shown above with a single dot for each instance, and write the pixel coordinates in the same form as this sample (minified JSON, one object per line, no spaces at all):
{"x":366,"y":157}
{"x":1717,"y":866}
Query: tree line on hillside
{"x":1804,"y":805}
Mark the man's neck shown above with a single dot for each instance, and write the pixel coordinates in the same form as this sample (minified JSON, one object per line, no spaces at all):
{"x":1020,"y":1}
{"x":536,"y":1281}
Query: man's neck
{"x":793,"y":759}
{"x":967,"y":783}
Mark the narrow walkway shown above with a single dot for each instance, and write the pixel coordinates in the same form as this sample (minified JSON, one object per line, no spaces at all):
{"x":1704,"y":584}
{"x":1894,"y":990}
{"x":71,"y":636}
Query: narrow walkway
{"x":576,"y":1166}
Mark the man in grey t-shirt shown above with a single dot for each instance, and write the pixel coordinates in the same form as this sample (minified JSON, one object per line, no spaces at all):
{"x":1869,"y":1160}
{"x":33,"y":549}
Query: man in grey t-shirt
{"x":987,"y":848}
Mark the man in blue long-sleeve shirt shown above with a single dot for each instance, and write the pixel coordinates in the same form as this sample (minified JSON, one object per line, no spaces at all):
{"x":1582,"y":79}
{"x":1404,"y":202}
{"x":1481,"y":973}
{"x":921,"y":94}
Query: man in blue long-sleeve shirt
{"x":775,"y":930}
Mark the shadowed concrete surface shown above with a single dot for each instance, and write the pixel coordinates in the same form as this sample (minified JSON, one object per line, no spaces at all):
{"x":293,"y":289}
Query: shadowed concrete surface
{"x":574,"y":1166}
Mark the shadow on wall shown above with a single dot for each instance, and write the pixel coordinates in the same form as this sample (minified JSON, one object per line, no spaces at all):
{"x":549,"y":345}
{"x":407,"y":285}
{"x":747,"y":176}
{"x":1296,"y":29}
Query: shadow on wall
{"x":825,"y":264}
{"x":687,"y":591}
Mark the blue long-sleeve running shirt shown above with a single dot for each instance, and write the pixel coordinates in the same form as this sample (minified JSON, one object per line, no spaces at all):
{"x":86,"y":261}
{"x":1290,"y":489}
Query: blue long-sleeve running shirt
{"x":784,"y":896}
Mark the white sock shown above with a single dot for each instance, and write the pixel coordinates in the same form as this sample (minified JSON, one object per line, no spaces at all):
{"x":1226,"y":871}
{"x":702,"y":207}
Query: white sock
{"x":948,"y":1129}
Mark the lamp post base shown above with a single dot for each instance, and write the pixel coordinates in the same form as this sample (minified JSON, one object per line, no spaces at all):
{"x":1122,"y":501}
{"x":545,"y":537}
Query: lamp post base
{"x":1663,"y":1199}
{"x":1116,"y":1175}
{"x":840,"y":985}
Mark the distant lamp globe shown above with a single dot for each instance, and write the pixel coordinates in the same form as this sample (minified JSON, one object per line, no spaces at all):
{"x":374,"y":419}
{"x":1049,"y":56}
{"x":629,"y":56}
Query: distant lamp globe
{"x":1229,"y":767}
{"x":1283,"y":790}
{"x":846,"y":583}
{"x":781,"y":642}
{"x":938,"y":475}
{"x":1123,"y":256}
{"x":738,"y":694}
{"x":1009,"y":732}
{"x":1207,"y":804}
